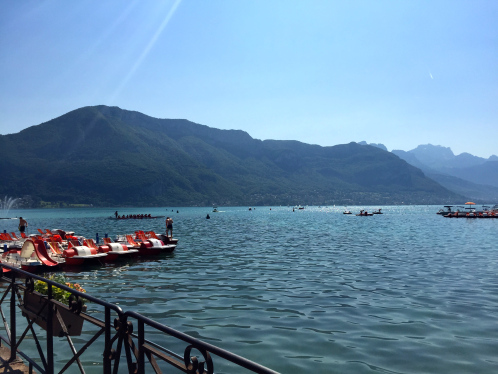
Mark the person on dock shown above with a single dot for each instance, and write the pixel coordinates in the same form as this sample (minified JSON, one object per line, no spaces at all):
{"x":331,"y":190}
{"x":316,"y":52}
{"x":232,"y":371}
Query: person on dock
{"x":22,"y":224}
{"x":169,"y":226}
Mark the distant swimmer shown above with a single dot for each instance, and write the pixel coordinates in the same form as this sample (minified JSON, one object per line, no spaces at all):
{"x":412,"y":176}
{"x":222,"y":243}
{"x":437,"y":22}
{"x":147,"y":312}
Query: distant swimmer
{"x":207,"y":217}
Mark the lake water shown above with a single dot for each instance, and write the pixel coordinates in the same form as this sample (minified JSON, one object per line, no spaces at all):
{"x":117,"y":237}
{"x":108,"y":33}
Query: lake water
{"x":311,"y":291}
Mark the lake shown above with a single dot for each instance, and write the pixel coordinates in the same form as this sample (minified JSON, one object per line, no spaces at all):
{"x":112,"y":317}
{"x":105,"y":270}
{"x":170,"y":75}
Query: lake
{"x":310,"y":291}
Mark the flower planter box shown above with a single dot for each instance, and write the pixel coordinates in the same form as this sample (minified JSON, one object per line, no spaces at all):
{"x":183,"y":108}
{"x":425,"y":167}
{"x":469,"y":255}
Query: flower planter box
{"x":35,"y":307}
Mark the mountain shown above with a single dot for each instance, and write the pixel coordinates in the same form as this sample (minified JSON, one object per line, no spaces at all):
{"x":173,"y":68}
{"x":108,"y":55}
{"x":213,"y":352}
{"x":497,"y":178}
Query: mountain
{"x":476,"y":192}
{"x":108,"y":156}
{"x":378,"y":145}
{"x":438,"y":157}
{"x":473,"y":176}
{"x":485,"y":174}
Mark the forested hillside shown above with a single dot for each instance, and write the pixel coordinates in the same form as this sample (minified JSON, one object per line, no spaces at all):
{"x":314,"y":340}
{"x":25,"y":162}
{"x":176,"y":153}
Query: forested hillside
{"x":108,"y":156}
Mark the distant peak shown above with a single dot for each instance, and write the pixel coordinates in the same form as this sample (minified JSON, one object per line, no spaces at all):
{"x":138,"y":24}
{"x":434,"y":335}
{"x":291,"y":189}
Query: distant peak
{"x":378,"y":145}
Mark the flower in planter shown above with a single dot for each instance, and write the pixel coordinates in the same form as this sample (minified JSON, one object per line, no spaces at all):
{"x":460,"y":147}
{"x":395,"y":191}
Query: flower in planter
{"x":58,"y":293}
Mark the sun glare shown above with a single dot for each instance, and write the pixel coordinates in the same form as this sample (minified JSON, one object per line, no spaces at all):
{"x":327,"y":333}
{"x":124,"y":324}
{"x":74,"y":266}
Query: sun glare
{"x":146,"y":50}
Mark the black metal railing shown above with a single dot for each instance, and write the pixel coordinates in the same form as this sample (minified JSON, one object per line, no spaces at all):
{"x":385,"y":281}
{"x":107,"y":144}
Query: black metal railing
{"x":113,"y":335}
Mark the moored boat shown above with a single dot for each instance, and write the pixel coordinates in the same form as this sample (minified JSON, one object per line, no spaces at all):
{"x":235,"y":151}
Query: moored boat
{"x":32,"y":257}
{"x":77,"y":254}
{"x":146,"y":246}
{"x":116,"y":251}
{"x":485,"y":214}
{"x":471,"y":212}
{"x":445,"y":211}
{"x":162,"y":237}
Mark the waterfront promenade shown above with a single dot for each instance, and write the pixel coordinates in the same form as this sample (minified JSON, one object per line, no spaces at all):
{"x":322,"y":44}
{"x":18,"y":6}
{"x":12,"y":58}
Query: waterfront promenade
{"x":15,"y":367}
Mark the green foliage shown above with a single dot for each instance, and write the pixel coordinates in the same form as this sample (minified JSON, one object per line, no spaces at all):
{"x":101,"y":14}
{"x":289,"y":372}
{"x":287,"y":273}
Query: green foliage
{"x":58,"y":293}
{"x":107,"y":156}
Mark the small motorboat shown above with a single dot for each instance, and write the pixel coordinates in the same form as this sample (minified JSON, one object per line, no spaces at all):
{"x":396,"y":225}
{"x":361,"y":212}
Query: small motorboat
{"x":378,"y":211}
{"x":215,"y":210}
{"x":347,"y":212}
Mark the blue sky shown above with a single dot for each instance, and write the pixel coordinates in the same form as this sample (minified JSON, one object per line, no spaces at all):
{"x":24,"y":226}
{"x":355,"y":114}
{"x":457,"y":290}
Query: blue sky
{"x":401,"y":73}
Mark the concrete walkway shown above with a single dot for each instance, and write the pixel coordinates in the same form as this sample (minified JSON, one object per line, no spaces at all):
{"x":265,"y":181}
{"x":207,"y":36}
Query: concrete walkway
{"x":15,"y":367}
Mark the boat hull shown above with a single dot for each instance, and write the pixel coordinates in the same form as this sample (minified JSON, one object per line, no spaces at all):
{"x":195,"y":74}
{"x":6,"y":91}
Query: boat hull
{"x":139,"y":218}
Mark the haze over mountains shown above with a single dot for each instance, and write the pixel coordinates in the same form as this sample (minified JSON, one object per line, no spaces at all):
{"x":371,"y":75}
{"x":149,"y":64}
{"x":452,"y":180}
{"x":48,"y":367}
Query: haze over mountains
{"x":108,"y":156}
{"x":465,"y":174}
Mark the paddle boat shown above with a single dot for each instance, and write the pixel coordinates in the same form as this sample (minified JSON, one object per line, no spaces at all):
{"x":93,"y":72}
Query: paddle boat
{"x":145,"y":246}
{"x":77,"y":254}
{"x":115,"y":251}
{"x":445,"y":211}
{"x":11,"y":241}
{"x":485,"y":214}
{"x":162,"y":237}
{"x":364,"y":213}
{"x":471,"y":212}
{"x":32,"y":257}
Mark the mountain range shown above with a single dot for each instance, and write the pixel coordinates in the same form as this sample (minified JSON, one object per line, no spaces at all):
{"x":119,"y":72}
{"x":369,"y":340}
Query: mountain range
{"x":465,"y":174}
{"x":107,"y":156}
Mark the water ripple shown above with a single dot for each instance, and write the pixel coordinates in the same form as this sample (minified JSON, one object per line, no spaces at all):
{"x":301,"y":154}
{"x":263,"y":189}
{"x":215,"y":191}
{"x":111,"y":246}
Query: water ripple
{"x":313,"y":291}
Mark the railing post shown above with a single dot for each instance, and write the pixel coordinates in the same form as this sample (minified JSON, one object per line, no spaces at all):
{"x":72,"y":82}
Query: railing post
{"x":141,"y":353}
{"x":50,"y":333}
{"x":13,"y":337}
{"x":107,"y":344}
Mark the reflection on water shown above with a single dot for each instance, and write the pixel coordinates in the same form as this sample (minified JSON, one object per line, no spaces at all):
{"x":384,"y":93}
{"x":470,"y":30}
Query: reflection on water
{"x":312,"y":290}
